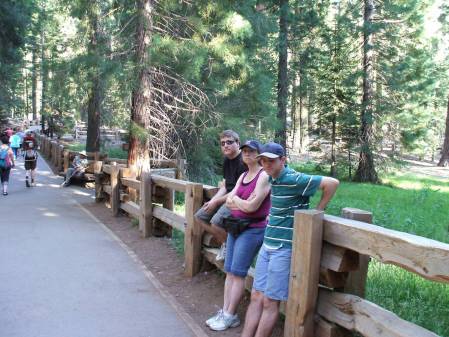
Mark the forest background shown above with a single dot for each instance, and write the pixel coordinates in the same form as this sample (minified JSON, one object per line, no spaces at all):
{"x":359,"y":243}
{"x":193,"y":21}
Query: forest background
{"x":358,"y":84}
{"x":346,"y":79}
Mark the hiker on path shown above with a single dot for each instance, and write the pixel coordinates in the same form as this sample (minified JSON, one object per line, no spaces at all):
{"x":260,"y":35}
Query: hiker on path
{"x":6,"y":162}
{"x":15,"y":142}
{"x":290,"y":191}
{"x":249,"y":203}
{"x":212,"y":213}
{"x":30,"y":157}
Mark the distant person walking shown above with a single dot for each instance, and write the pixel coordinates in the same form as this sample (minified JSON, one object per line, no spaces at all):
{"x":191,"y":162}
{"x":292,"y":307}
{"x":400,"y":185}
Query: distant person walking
{"x":14,"y":142}
{"x":6,"y":162}
{"x":30,"y":157}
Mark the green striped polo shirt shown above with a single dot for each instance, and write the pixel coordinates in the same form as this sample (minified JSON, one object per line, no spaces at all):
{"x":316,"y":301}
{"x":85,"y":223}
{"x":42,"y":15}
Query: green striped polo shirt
{"x":289,"y":192}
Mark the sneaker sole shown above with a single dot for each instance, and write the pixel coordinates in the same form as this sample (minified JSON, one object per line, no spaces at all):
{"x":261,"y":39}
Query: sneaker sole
{"x":233,"y":325}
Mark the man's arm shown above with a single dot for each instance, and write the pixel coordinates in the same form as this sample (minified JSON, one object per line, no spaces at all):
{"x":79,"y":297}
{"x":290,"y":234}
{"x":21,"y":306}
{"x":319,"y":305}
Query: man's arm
{"x":217,"y":200}
{"x":328,"y":185}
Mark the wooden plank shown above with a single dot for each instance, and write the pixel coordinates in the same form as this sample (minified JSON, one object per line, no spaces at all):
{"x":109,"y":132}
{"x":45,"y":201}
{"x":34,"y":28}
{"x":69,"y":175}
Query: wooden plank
{"x":107,"y":189}
{"x":174,"y":184}
{"x":146,"y":206}
{"x":99,"y":193}
{"x":333,"y":279}
{"x":194,"y":231}
{"x":115,"y":190}
{"x":66,"y":160}
{"x":107,"y":169}
{"x":209,"y":191}
{"x":169,"y":217}
{"x":338,"y":258}
{"x":210,"y":241}
{"x":419,"y":255}
{"x":166,"y":172}
{"x":131,"y":208}
{"x":304,"y":273}
{"x":324,"y":328}
{"x":132,"y":183}
{"x":355,"y":313}
{"x":124,"y":197}
{"x":356,"y":281}
{"x":169,"y":204}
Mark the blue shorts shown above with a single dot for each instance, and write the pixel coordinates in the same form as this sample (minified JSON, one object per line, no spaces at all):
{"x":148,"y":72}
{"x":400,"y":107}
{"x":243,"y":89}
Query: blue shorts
{"x":273,"y":272}
{"x":240,"y":251}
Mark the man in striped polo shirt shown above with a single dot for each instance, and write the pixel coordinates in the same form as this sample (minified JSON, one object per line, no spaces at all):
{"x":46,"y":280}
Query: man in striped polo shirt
{"x":290,"y":191}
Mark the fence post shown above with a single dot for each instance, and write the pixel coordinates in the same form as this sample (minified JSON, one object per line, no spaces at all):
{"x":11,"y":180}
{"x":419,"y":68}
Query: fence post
{"x":356,"y":281}
{"x":115,"y":190}
{"x":60,"y":158}
{"x":146,"y":205}
{"x":304,"y":273}
{"x":194,"y":231}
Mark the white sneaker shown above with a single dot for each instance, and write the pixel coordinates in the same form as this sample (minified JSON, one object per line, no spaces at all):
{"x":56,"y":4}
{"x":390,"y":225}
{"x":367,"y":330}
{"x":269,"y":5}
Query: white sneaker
{"x":221,"y":253}
{"x":223,"y":322}
{"x":214,"y":317}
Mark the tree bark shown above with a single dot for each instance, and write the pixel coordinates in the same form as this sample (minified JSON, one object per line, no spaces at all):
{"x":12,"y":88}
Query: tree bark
{"x":445,"y":150}
{"x":44,"y":73}
{"x":366,"y":171}
{"x":34,"y":80}
{"x":138,"y":153}
{"x":281,"y":132}
{"x":95,"y":91}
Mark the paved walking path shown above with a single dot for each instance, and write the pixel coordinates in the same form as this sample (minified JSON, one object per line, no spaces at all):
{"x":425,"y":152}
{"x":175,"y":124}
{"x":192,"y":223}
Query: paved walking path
{"x":63,"y":275}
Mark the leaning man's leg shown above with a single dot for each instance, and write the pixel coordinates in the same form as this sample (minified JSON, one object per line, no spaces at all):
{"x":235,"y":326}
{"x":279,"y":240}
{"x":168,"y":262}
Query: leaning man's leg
{"x":276,"y":290}
{"x":217,"y":223}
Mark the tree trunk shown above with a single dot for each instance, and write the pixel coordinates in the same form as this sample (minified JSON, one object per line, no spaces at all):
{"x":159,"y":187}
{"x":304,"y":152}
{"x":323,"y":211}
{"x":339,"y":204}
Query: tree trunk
{"x":333,"y":171}
{"x":366,"y":171}
{"x":445,"y":150}
{"x":44,"y":73}
{"x":95,"y":92}
{"x":281,"y":133}
{"x":34,"y":80}
{"x":138,"y":153}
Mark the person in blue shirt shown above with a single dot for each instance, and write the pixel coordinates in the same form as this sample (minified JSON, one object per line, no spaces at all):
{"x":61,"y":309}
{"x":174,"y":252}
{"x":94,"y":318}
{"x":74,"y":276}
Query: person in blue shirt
{"x":290,"y":191}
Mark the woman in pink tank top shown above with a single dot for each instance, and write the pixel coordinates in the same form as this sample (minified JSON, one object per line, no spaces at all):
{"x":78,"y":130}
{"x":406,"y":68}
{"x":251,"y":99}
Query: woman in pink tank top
{"x":250,"y":199}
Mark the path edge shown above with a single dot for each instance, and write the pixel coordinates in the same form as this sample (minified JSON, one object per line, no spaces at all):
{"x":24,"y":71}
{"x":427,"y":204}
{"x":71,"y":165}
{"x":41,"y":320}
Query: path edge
{"x":188,"y":320}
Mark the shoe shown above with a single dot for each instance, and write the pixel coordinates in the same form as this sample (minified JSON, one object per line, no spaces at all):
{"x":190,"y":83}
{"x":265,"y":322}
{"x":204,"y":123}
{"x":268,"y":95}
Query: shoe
{"x":5,"y":193}
{"x":214,"y":317}
{"x":221,"y":253}
{"x":33,"y":184}
{"x":27,"y":183}
{"x":224,"y":322}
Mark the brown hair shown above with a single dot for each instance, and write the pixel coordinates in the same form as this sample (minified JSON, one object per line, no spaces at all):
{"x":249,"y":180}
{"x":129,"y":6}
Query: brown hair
{"x":230,"y":134}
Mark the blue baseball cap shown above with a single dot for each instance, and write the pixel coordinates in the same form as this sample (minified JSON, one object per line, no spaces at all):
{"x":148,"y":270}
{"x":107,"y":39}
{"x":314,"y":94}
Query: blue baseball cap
{"x":272,"y":150}
{"x":252,"y":144}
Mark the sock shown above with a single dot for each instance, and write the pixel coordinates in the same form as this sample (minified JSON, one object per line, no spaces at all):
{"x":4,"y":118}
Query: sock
{"x":227,"y":314}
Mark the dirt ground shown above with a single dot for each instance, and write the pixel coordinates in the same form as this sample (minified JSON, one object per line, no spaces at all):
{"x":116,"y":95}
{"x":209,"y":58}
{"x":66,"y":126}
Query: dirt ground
{"x":200,"y":296}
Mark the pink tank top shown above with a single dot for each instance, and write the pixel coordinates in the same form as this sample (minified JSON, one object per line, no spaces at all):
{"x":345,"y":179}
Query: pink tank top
{"x":243,"y":192}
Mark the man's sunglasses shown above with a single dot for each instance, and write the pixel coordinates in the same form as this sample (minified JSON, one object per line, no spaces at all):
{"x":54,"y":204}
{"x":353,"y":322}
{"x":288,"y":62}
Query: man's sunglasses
{"x":227,"y":142}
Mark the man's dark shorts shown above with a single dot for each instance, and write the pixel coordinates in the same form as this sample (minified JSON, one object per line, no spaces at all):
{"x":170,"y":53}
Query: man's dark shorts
{"x":216,"y":217}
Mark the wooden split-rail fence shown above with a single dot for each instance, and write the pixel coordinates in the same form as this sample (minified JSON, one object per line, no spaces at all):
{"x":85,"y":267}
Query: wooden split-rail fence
{"x":330,"y":255}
